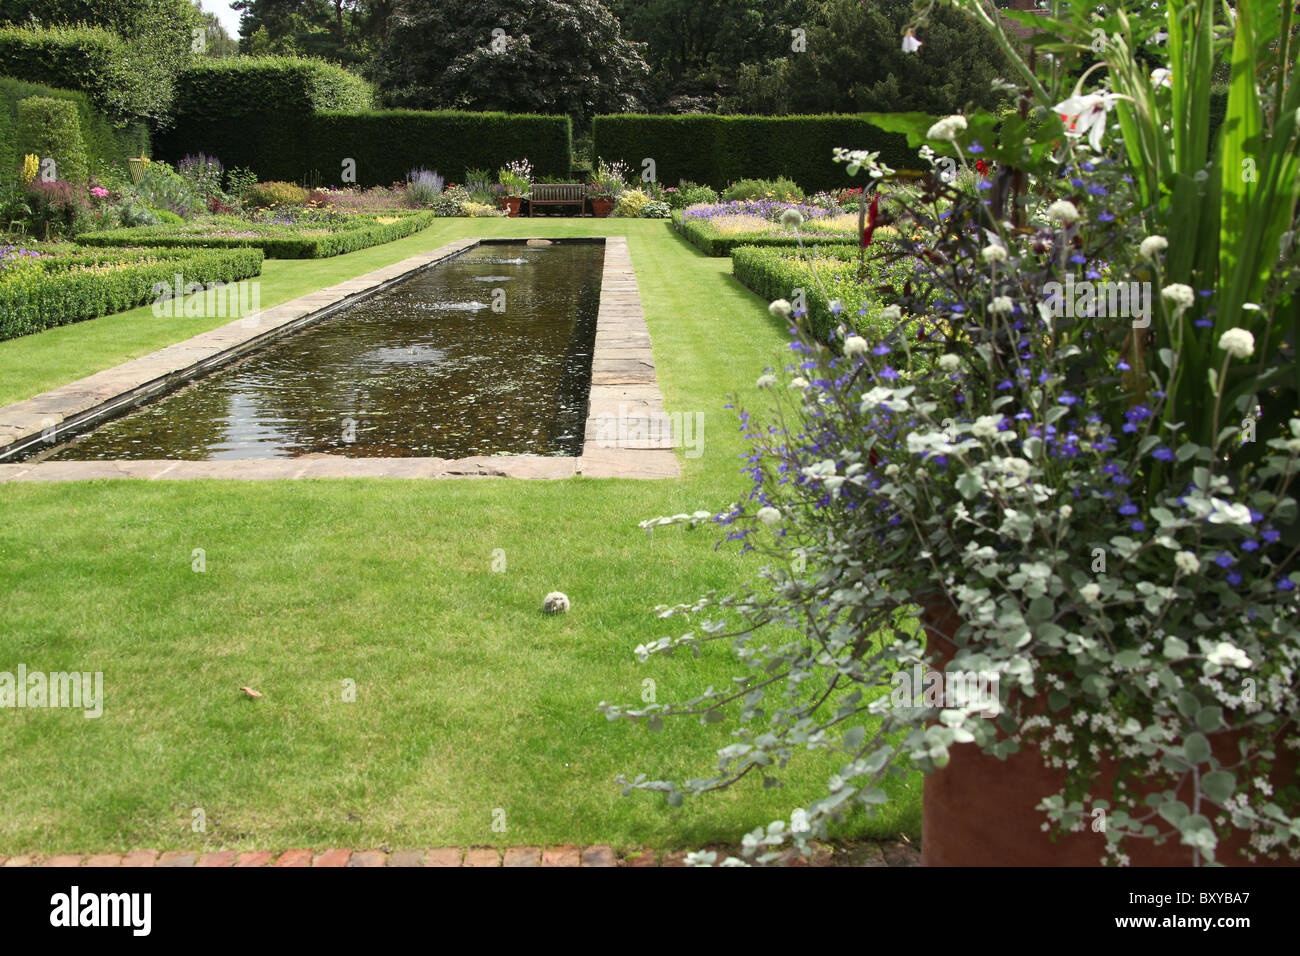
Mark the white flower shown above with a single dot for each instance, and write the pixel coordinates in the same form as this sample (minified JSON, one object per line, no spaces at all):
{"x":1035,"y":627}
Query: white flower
{"x":798,"y":382}
{"x":1066,"y":511}
{"x":1001,"y":305}
{"x":891,"y":313}
{"x":910,"y":43}
{"x":1187,"y":562}
{"x":994,"y":253}
{"x":1063,"y":211}
{"x":947,"y":128}
{"x":1178,"y":295}
{"x":855,"y":345}
{"x":792,"y":219}
{"x":768,"y":515}
{"x":949,"y":362}
{"x":1085,"y":115}
{"x":891,"y":470}
{"x":555,"y":603}
{"x":765,"y":381}
{"x":781,"y":308}
{"x":1238,"y":343}
{"x":1228,"y":655}
{"x":1161,"y":77}
{"x":1017,"y":467}
{"x":1152,"y":246}
{"x":1091,"y":593}
{"x":986,"y":426}
{"x":1224,"y":512}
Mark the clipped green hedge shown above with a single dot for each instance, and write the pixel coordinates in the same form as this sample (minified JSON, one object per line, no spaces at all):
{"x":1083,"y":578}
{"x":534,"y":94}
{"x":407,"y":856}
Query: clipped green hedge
{"x":50,"y":129}
{"x":719,"y":150}
{"x":286,"y":245}
{"x":48,"y":292}
{"x":776,"y":274}
{"x":105,"y":143}
{"x":388,"y":144}
{"x":701,"y":233}
{"x":258,"y":112}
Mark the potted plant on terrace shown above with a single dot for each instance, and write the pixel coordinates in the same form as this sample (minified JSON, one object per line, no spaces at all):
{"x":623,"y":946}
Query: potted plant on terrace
{"x":1071,"y":448}
{"x":515,"y":179}
{"x":606,"y":186}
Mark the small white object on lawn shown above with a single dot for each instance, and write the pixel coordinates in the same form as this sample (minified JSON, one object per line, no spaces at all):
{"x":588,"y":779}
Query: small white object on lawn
{"x":557,"y":602}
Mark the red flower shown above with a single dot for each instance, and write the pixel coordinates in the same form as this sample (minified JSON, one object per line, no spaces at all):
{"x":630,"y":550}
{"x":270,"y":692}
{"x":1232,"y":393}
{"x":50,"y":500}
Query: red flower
{"x":983,"y":166}
{"x":872,"y":212}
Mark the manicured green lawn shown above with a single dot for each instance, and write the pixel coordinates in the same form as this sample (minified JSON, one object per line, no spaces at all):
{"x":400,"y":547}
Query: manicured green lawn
{"x":468,"y":699}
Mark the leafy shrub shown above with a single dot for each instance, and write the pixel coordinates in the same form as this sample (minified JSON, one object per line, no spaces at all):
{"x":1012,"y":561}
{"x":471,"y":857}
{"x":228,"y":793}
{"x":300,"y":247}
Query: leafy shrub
{"x":275,"y":194}
{"x":162,"y":189}
{"x":477,"y":209}
{"x":719,"y":150}
{"x":51,"y":129}
{"x":423,"y":187}
{"x":57,"y":208}
{"x":239,"y":181}
{"x":59,"y":290}
{"x":689,"y":194}
{"x":451,"y":201}
{"x":782,"y":190}
{"x":630,"y":203}
{"x":656,"y":209}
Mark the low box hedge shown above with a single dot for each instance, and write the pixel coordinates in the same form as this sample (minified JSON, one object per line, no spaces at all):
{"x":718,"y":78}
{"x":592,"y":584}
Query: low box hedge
{"x":776,"y":273}
{"x":701,"y":233}
{"x":275,"y":242}
{"x":39,"y":294}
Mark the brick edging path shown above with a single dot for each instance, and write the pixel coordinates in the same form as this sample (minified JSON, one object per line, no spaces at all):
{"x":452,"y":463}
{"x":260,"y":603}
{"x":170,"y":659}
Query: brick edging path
{"x":890,"y":853}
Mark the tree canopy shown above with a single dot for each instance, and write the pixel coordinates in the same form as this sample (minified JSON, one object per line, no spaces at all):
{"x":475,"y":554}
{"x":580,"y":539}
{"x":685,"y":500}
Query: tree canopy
{"x":535,"y":56}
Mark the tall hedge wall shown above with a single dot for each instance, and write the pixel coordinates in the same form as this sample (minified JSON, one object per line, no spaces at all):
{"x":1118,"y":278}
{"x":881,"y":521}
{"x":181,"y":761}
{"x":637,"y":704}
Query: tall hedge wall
{"x":257,"y":111}
{"x":388,"y":144}
{"x":105,"y":144}
{"x":719,"y":150}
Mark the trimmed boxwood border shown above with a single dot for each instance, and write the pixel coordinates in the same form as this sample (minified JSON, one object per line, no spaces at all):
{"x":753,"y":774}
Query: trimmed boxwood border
{"x":711,"y":243}
{"x":769,"y":272}
{"x":60,"y":296}
{"x":275,"y":247}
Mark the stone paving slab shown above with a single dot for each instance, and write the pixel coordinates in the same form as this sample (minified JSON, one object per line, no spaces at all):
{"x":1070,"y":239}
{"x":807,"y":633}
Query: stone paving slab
{"x":624,"y":384}
{"x":858,"y":854}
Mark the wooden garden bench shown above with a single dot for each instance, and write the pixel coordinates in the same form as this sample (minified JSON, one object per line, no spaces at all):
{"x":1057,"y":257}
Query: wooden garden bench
{"x":557,"y":194}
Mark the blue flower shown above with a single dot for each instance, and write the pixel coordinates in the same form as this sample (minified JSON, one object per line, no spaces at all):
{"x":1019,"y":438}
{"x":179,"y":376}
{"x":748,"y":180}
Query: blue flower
{"x":1163,"y":454}
{"x":1224,"y":560}
{"x":1286,"y":584}
{"x":1138,"y":526}
{"x":888,"y":373}
{"x":1234,"y":578}
{"x":881,"y":349}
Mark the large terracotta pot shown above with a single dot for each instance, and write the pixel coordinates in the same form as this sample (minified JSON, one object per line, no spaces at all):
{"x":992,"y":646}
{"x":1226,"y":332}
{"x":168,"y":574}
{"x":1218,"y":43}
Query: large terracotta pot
{"x":602,"y":207}
{"x":512,"y":203}
{"x":980,"y":811}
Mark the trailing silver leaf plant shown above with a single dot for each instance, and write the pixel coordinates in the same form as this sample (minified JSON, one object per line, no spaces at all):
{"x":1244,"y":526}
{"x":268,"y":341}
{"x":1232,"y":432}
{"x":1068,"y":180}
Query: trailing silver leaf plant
{"x":1102,"y":496}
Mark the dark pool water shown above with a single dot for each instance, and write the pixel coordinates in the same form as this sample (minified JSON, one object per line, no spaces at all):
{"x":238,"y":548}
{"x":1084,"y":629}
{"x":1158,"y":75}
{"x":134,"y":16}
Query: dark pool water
{"x":426,"y":368}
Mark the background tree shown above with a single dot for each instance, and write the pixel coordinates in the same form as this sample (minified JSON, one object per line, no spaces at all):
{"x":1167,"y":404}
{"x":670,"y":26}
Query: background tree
{"x":346,"y":31}
{"x":696,"y":47}
{"x":159,"y":43}
{"x":552,"y":56}
{"x":217,"y":42}
{"x":854,"y":62}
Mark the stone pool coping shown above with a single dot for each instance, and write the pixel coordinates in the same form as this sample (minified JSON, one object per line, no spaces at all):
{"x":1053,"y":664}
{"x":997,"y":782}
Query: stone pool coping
{"x":625,"y":434}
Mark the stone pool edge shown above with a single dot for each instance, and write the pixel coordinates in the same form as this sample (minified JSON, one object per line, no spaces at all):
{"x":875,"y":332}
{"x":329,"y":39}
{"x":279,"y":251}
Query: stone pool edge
{"x":625,"y":411}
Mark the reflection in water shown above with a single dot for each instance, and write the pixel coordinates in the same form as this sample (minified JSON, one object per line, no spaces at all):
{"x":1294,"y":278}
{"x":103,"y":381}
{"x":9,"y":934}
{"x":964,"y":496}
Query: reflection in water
{"x":422,"y":369}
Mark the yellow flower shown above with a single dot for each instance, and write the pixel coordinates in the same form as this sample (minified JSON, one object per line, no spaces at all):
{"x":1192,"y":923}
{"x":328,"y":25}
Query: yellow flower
{"x":31,"y":166}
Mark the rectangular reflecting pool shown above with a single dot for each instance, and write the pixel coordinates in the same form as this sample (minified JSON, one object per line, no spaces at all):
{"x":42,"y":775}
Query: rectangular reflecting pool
{"x":489,"y":353}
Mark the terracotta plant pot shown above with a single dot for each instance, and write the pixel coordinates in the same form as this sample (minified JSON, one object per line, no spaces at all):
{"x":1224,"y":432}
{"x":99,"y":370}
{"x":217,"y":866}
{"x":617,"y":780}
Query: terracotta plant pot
{"x":601,"y":208}
{"x":980,"y":811}
{"x":513,"y":203}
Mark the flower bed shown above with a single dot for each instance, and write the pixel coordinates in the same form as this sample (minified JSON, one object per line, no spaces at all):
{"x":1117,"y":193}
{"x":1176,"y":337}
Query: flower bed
{"x":41,"y":288}
{"x":278,"y":238}
{"x":718,"y":228}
